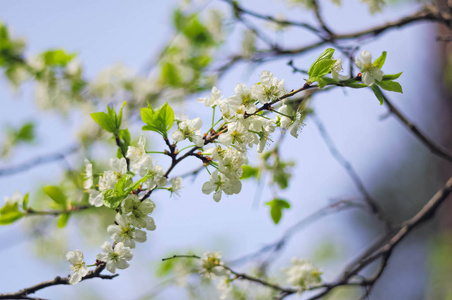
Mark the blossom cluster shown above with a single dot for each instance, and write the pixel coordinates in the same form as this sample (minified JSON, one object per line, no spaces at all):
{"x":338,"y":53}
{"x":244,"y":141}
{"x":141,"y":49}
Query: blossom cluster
{"x":246,"y":127}
{"x":133,"y":213}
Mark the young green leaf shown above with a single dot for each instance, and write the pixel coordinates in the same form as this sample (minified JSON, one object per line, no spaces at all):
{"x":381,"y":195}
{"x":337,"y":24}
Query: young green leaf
{"x":25,"y":201}
{"x":249,"y":172}
{"x":327,"y":54}
{"x":378,"y":93}
{"x":379,"y":62}
{"x":57,"y":195}
{"x":104,"y":121}
{"x":390,"y":85}
{"x":57,"y":57}
{"x":10,"y":213}
{"x":159,"y":120}
{"x":391,"y":76}
{"x":276,"y":207}
{"x":119,"y":119}
{"x":62,"y":220}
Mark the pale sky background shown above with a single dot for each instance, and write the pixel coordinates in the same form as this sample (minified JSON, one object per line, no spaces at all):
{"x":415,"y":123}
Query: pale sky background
{"x":133,"y":32}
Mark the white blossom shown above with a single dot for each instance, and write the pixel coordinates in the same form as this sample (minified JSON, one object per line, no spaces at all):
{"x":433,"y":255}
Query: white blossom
{"x":115,"y":258}
{"x":137,"y":212}
{"x":155,"y":174}
{"x":220,"y":183}
{"x":95,"y":197}
{"x":224,"y":287}
{"x":189,"y":129}
{"x":78,"y":266}
{"x":297,"y":125}
{"x":285,"y":116}
{"x":16,"y":198}
{"x":238,"y":135}
{"x":212,"y":265}
{"x":302,"y":274}
{"x":176,"y":185}
{"x":137,"y":155}
{"x":88,"y":183}
{"x":213,"y":100}
{"x":230,"y":161}
{"x":369,"y":72}
{"x":244,"y":97}
{"x":269,"y":88}
{"x":124,"y":232}
{"x":337,"y":67}
{"x":110,"y":177}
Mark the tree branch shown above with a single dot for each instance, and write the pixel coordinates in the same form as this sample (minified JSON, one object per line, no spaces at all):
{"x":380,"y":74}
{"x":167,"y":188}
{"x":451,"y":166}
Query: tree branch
{"x":372,"y":203}
{"x":434,"y":148}
{"x":39,"y":161}
{"x":23,"y":294}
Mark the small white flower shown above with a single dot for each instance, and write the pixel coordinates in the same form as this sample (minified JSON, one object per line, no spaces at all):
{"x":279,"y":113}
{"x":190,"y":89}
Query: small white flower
{"x":369,"y":72}
{"x":155,"y":174}
{"x":118,"y":165}
{"x":125,"y":232}
{"x":220,"y":183}
{"x":95,"y":198}
{"x":139,"y":211}
{"x":115,"y":258}
{"x":337,"y":67}
{"x":189,"y":129}
{"x":176,"y":185}
{"x":213,"y":100}
{"x":137,"y":154}
{"x":302,"y":274}
{"x":212,"y":265}
{"x":78,"y":266}
{"x":238,"y":135}
{"x":88,"y":183}
{"x":224,"y":287}
{"x":297,"y":125}
{"x":16,"y":198}
{"x":269,"y":88}
{"x":285,"y":121}
{"x":243,"y":97}
{"x":110,"y":177}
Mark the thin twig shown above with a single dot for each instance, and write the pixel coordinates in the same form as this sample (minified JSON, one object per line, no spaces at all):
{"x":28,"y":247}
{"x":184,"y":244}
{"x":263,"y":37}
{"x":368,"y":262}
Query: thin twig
{"x":371,"y":202}
{"x":48,"y":158}
{"x":434,"y":148}
{"x":23,"y":294}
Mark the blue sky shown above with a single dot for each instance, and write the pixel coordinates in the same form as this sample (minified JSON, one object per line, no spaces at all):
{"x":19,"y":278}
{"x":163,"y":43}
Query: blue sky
{"x":133,"y":32}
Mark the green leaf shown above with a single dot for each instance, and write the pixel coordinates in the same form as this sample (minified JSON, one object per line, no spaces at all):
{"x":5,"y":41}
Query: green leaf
{"x":25,"y":201}
{"x":327,"y":54}
{"x":322,"y":82}
{"x":10,"y":217}
{"x":378,"y":93}
{"x":159,"y":120}
{"x":26,"y":132}
{"x":276,"y":207}
{"x":10,"y":213}
{"x":104,"y":121}
{"x":166,"y":115}
{"x":171,"y":75}
{"x":57,"y":57}
{"x":391,"y":76}
{"x":390,"y":85}
{"x":119,"y":119}
{"x":379,"y":62}
{"x":57,"y":195}
{"x":322,"y":68}
{"x":62,"y":220}
{"x":249,"y":171}
{"x":197,"y":33}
